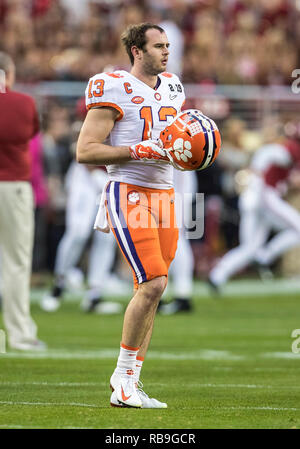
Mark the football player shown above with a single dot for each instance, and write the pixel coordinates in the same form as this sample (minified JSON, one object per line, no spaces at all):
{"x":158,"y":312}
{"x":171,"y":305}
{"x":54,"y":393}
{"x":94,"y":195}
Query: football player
{"x":133,"y":108}
{"x":262,"y":210}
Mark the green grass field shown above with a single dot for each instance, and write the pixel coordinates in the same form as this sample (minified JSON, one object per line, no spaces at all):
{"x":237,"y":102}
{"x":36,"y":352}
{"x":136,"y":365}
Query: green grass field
{"x":228,"y":365}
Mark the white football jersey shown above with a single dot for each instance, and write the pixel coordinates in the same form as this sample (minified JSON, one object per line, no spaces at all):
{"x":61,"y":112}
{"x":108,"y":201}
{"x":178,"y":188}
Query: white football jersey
{"x":268,"y":155}
{"x":143,"y":113}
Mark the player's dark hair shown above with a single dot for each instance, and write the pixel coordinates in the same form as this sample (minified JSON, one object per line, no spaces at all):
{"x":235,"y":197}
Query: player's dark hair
{"x":136,"y":35}
{"x":6,"y":62}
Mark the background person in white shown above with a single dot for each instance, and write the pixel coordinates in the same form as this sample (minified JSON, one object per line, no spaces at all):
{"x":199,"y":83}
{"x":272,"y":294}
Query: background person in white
{"x":261,"y":210}
{"x":182,"y":268}
{"x":83,"y":187}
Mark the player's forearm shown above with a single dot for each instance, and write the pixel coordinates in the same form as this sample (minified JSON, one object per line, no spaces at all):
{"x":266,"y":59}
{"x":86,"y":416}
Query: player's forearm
{"x":101,"y":154}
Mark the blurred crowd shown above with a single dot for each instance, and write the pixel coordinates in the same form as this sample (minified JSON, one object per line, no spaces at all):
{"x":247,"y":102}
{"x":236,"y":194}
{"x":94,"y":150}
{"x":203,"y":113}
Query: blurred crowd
{"x":239,"y":42}
{"x":224,"y":41}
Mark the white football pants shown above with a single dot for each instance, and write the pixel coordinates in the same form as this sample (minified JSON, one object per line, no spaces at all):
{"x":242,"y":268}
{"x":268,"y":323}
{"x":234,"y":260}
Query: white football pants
{"x":182,"y":267}
{"x":16,"y":241}
{"x":261,"y":210}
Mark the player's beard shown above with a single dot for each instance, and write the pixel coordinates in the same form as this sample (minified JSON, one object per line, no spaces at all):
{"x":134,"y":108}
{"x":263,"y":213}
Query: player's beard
{"x":151,"y":66}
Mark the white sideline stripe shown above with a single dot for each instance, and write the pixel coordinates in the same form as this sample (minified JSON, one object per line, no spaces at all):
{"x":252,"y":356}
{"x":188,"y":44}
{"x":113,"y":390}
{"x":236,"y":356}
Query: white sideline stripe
{"x":247,"y":386}
{"x":18,"y":426}
{"x":204,"y":354}
{"x":282,"y":409}
{"x":78,"y":404}
{"x":105,"y":384}
{"x":286,"y":409}
{"x":64,"y":354}
{"x":51,"y":404}
{"x":281,"y":355}
{"x":252,"y":287}
{"x":55,"y":384}
{"x":236,"y":288}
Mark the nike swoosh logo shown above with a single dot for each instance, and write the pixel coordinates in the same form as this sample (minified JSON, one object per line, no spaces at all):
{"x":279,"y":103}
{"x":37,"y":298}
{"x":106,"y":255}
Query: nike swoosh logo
{"x":172,"y":97}
{"x":125,"y":398}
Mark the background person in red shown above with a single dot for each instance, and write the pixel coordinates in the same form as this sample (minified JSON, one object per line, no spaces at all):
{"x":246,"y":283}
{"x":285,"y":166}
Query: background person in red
{"x":18,"y":124}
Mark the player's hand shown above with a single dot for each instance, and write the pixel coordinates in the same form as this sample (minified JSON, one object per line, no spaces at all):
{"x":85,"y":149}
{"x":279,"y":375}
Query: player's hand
{"x":148,"y":150}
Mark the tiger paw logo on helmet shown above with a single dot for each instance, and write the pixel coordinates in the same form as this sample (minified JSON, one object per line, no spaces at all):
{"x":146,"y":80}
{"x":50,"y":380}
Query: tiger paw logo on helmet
{"x":182,"y":149}
{"x":192,"y":140}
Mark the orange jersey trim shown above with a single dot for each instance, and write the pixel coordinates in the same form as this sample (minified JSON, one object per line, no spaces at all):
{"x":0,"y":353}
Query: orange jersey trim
{"x":111,"y":105}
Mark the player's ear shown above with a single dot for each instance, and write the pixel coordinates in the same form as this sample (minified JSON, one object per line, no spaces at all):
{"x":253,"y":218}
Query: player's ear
{"x":137,"y":52}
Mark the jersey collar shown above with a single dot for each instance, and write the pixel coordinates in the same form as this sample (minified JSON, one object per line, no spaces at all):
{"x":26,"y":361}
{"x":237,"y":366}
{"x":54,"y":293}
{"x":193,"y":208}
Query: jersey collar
{"x":158,"y":83}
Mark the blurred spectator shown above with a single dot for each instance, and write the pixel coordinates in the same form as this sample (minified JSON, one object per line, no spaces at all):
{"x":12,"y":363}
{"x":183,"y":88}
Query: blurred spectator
{"x":232,"y":158}
{"x":56,"y":141}
{"x":234,"y":41}
{"x":18,"y":125}
{"x":38,"y":180}
{"x":40,"y":193}
{"x":277,"y":57}
{"x":206,"y":249}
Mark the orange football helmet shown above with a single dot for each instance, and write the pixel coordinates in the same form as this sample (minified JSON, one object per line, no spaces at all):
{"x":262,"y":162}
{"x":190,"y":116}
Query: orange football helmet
{"x":192,"y":140}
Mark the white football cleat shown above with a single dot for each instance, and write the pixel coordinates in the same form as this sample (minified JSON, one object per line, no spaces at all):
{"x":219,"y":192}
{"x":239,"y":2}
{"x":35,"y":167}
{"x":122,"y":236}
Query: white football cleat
{"x":50,"y":303}
{"x":127,"y":393}
{"x":33,"y":345}
{"x":146,"y":401}
{"x":114,"y":400}
{"x":117,"y":287}
{"x":144,"y":398}
{"x":101,"y":307}
{"x":114,"y":380}
{"x":108,"y":308}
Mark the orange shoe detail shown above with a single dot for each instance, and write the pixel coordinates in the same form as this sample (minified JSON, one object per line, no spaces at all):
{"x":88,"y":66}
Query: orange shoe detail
{"x":125,"y":398}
